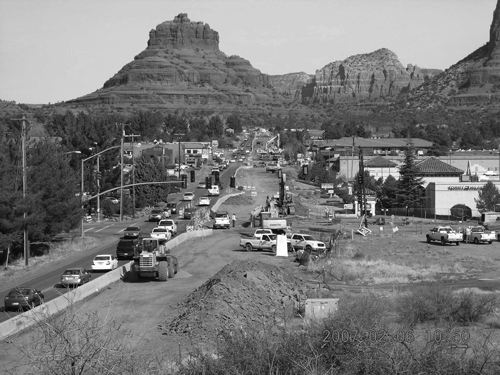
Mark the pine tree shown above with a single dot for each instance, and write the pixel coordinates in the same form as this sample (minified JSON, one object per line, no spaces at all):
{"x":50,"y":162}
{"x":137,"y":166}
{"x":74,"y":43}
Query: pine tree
{"x":409,"y":191}
{"x":488,"y":197}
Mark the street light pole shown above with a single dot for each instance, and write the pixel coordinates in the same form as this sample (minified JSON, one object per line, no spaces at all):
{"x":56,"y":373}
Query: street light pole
{"x":83,"y":181}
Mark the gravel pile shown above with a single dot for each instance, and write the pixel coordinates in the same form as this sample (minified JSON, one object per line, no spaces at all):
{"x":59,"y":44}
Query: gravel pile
{"x":238,"y":200}
{"x":242,"y":294}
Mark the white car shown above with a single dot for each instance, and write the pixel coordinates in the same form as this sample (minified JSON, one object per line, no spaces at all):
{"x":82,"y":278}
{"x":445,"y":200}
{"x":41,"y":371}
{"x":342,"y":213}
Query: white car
{"x":188,"y":196}
{"x":232,"y":161}
{"x":104,"y":262}
{"x":204,"y":201}
{"x":168,"y":225}
{"x":161,"y":233}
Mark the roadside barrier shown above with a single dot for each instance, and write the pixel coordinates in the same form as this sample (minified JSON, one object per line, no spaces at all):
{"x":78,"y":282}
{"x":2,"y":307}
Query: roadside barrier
{"x":49,"y":308}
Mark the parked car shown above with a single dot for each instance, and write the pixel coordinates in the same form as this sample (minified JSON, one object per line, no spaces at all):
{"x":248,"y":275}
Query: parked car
{"x":132,"y":232}
{"x":480,"y":235}
{"x":160,"y":233}
{"x":104,"y":262}
{"x":444,"y":235}
{"x":188,"y":196}
{"x":75,"y":277}
{"x":23,"y":297}
{"x":127,"y":247}
{"x":172,"y":207}
{"x":306,"y":242}
{"x":204,"y":201}
{"x":156,"y":214}
{"x":168,"y":224}
{"x":265,"y":242}
{"x":222,"y":220}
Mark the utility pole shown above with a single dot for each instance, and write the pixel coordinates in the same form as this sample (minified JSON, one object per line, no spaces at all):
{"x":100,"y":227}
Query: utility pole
{"x":25,"y":188}
{"x":179,"y":135}
{"x":133,"y":178}
{"x":121,"y":166}
{"x":362,"y":187}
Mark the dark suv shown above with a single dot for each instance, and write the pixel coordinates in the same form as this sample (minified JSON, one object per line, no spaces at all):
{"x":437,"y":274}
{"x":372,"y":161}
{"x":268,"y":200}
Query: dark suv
{"x":126,"y":248}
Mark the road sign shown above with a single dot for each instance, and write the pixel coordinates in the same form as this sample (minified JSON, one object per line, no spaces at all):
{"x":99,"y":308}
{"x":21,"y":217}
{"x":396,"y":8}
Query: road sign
{"x":254,"y":194}
{"x":326,"y":186}
{"x":348,"y":206}
{"x":330,"y":191}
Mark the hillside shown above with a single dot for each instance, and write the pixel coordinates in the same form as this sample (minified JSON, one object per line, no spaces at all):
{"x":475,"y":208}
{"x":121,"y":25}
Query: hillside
{"x":472,"y":83}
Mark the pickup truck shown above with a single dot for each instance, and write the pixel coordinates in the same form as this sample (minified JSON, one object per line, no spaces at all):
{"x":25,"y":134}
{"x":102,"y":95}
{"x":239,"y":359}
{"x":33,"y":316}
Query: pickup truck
{"x":306,"y":242}
{"x":221,"y":220}
{"x":271,"y":167}
{"x":444,"y":235}
{"x":265,"y":242}
{"x":479,"y":235}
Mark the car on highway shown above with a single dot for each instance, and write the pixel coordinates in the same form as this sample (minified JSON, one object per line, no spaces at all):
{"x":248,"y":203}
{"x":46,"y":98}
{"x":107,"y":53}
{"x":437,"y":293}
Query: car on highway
{"x":172,"y":207}
{"x":188,"y":213}
{"x":75,"y":277}
{"x":204,"y":201}
{"x":188,"y":196}
{"x":157,"y":214}
{"x":132,"y":232}
{"x":202,"y":185}
{"x":104,"y":262}
{"x":23,"y":297}
{"x":127,"y":247}
{"x":161,"y":233}
{"x":168,"y":224}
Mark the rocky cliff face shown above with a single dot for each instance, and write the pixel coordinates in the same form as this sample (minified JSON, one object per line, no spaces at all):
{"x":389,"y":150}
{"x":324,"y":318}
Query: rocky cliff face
{"x":475,"y":80}
{"x":290,"y":85}
{"x":182,"y":65}
{"x":370,"y":76}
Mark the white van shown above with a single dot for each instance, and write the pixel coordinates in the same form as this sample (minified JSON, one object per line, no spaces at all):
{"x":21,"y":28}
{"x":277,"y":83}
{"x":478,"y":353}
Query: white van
{"x":214,"y":190}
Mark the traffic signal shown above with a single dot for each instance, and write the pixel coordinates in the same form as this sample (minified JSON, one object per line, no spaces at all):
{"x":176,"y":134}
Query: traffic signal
{"x":305,"y":169}
{"x":360,"y":197}
{"x":193,"y":176}
{"x":184,"y":181}
{"x":280,"y":173}
{"x":232,"y":182}
{"x":360,"y":179}
{"x":209,"y":182}
{"x":216,"y":178}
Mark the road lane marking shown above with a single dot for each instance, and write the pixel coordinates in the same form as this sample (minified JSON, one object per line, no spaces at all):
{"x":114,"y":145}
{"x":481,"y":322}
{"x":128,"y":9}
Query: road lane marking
{"x":86,"y":230}
{"x":107,"y":226}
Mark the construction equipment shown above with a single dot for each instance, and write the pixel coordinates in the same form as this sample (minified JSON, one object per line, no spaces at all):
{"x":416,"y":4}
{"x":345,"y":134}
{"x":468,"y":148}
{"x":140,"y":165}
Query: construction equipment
{"x":153,"y":260}
{"x":285,"y":200}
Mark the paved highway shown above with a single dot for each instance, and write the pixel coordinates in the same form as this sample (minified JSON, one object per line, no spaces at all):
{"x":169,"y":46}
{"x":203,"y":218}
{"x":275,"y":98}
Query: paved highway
{"x":110,"y":232}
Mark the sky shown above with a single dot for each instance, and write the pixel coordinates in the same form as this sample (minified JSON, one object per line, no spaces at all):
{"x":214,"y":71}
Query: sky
{"x":57,"y":50}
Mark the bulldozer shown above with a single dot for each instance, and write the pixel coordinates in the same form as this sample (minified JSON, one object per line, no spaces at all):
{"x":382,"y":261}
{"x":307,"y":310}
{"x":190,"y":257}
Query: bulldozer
{"x":153,"y":260}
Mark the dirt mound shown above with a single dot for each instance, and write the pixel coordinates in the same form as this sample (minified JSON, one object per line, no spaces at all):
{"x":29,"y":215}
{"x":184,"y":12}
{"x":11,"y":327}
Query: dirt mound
{"x":239,"y":200}
{"x":243,"y":293}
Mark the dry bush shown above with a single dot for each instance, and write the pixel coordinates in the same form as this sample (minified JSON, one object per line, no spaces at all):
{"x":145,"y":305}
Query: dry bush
{"x":437,"y":303}
{"x":82,"y":343}
{"x":362,"y":271}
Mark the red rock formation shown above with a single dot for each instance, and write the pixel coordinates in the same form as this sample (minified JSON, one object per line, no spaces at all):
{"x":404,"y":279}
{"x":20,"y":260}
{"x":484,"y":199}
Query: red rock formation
{"x":473,"y":80}
{"x":368,"y":76}
{"x":182,"y":65}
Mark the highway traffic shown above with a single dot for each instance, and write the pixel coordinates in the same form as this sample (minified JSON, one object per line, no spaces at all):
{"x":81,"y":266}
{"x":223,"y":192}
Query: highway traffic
{"x":110,"y":233}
